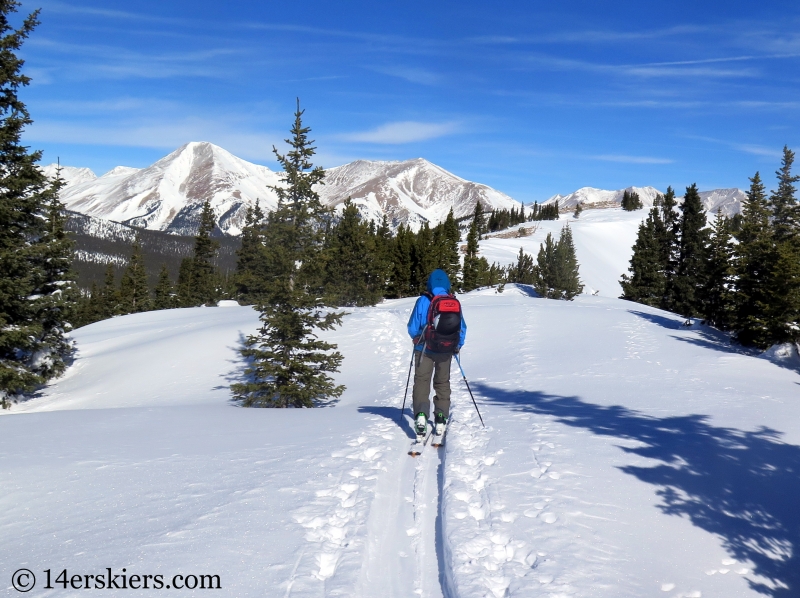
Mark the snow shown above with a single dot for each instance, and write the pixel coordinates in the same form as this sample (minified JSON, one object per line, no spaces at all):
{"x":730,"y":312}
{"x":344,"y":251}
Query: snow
{"x":603,"y":240}
{"x":624,"y":455}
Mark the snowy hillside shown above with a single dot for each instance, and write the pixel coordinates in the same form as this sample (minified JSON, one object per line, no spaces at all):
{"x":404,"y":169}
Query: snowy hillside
{"x":70,"y":175}
{"x":169,"y":195}
{"x":728,"y":200}
{"x":624,"y":456}
{"x":603,"y":244}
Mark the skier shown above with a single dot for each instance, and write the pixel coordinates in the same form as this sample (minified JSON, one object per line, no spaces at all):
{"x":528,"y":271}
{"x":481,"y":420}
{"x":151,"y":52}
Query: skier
{"x":438,"y":330}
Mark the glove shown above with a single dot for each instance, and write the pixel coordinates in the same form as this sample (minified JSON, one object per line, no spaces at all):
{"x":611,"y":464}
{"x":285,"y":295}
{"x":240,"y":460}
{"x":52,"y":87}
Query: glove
{"x":417,"y":340}
{"x":457,"y":351}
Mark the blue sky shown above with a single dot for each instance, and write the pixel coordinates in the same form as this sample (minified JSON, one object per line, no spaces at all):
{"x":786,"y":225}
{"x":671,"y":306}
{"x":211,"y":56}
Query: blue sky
{"x":532,"y":98}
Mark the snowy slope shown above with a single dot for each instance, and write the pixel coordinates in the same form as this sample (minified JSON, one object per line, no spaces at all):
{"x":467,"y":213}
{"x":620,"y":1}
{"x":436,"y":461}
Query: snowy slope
{"x":728,"y":200}
{"x":624,"y":455}
{"x":169,"y":194}
{"x":70,"y":175}
{"x":603,"y":244}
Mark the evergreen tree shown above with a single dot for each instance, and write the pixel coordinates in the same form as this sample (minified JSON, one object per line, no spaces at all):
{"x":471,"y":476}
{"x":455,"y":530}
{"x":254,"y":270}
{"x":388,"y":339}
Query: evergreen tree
{"x":631,"y":201}
{"x":185,"y":286}
{"x":287,"y":363}
{"x":471,"y":261}
{"x":544,"y":273}
{"x":646,"y":283}
{"x":752,"y":259}
{"x":205,"y":282}
{"x":250,"y":279}
{"x":165,"y":297}
{"x":690,"y":272}
{"x":717,"y":293}
{"x":36,"y":291}
{"x":670,"y":246}
{"x":424,"y":257}
{"x":523,"y":272}
{"x":783,"y":284}
{"x":568,"y":282}
{"x":133,"y":291}
{"x":401,"y":281}
{"x":450,"y":260}
{"x":352,"y":269}
{"x":578,"y":210}
{"x":109,"y":303}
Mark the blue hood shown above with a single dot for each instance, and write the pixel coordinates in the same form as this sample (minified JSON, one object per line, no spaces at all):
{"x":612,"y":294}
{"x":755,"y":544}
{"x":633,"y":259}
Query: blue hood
{"x":438,"y":279}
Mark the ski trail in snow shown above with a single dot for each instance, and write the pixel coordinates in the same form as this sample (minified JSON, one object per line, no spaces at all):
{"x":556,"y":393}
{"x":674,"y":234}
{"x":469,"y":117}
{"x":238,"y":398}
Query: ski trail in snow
{"x":426,"y":511}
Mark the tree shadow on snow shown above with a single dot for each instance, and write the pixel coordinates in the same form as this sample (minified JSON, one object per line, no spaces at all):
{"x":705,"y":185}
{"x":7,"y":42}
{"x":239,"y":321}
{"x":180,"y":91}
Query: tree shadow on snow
{"x":707,"y":337}
{"x":740,"y":486}
{"x":390,"y":413}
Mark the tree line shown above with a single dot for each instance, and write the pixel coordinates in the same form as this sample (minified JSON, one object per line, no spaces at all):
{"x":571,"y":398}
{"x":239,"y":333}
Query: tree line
{"x":740,"y":274}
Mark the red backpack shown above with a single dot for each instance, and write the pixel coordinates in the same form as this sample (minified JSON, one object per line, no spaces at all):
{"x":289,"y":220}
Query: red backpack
{"x":443,"y":329}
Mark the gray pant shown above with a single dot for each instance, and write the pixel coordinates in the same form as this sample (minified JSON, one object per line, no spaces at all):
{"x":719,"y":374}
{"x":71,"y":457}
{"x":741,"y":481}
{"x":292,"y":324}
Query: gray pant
{"x":438,"y":366}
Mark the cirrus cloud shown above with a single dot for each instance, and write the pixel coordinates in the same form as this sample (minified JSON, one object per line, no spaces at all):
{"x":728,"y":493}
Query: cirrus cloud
{"x":404,"y":132}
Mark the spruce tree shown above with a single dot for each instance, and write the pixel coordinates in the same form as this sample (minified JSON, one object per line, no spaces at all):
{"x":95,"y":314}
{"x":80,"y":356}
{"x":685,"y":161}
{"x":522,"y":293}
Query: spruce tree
{"x":450,"y":260}
{"x":165,"y":297}
{"x":471,"y":279}
{"x":108,"y":304}
{"x":693,"y":252}
{"x":352,"y":267}
{"x":646,"y":282}
{"x":401,"y":281}
{"x":717,"y":293}
{"x":578,"y":210}
{"x":752,"y":260}
{"x":36,"y":291}
{"x":424,"y":257}
{"x":205,"y":281}
{"x":523,"y":272}
{"x":567,"y":280}
{"x":631,"y":201}
{"x":249,"y":279}
{"x":670,"y":246}
{"x":134,"y":293}
{"x":544,"y":273}
{"x":783,"y":284}
{"x":287,"y":364}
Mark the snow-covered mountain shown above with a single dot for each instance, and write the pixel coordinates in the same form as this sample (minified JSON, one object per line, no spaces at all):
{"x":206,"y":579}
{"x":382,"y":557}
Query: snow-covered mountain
{"x":413,"y":191}
{"x":71,"y":175}
{"x":169,"y":194}
{"x":728,"y":200}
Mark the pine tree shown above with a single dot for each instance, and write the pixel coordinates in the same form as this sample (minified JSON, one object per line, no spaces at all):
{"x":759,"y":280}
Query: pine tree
{"x":544,"y":273}
{"x":578,"y":210}
{"x":450,"y":260}
{"x":567,"y":280}
{"x":717,"y":293}
{"x":631,"y":201}
{"x":523,"y":272}
{"x":690,"y":272}
{"x":205,"y":281}
{"x":424,"y":257}
{"x":287,"y":363}
{"x":752,"y":259}
{"x":250,"y":279}
{"x":165,"y":297}
{"x":783,"y":284}
{"x":646,"y":283}
{"x":670,"y":246}
{"x":133,"y":291}
{"x":401,"y":277}
{"x":36,"y":291}
{"x":471,"y":278}
{"x":352,"y":268}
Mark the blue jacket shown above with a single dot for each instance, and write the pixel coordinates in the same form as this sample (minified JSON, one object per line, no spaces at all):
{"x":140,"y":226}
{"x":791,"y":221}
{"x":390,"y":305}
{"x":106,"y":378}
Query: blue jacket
{"x":438,"y":284}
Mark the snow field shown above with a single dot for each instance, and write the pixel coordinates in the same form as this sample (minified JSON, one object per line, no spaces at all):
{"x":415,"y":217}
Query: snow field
{"x":624,"y":455}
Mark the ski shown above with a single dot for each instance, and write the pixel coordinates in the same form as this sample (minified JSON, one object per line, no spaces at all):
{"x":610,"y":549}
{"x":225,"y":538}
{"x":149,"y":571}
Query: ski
{"x":438,"y":439}
{"x":421,"y":441}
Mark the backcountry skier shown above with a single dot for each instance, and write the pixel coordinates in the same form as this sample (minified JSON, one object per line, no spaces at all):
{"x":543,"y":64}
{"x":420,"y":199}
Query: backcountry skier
{"x":438,"y":330}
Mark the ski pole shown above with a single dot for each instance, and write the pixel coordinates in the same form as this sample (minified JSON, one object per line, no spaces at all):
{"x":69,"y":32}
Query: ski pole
{"x":407,"y":381}
{"x":458,"y":361}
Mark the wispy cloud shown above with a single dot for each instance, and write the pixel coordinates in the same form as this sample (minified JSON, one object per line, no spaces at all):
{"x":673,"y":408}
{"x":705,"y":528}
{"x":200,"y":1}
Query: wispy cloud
{"x":747,"y":148}
{"x":630,"y":159}
{"x":654,"y":69}
{"x":404,"y":132}
{"x":411,"y":74}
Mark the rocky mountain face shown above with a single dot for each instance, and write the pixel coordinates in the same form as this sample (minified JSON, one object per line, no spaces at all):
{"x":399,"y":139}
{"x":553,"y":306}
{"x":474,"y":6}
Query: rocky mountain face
{"x":168,"y":195}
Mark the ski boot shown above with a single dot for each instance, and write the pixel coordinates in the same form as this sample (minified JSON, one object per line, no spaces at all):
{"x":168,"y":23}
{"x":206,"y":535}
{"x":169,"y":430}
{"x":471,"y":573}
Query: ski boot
{"x":421,"y":424}
{"x":440,"y":423}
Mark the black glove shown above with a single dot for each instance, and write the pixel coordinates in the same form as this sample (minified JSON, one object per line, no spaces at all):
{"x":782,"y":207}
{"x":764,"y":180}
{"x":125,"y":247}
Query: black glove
{"x":457,"y":349}
{"x":417,"y":339}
